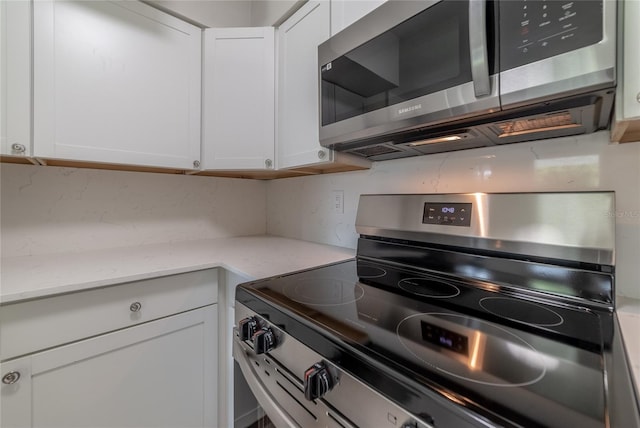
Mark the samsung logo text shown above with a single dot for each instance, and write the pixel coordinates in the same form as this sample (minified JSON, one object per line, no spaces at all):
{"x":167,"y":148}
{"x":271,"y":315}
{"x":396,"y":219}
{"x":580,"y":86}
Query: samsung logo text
{"x":409,"y":109}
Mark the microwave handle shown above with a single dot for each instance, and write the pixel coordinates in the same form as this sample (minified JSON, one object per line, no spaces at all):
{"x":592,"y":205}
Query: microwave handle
{"x":478,"y":47}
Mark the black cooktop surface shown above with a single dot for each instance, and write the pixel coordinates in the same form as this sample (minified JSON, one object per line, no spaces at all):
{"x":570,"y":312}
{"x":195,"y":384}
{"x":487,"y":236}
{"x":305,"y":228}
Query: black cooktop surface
{"x":532,"y":362}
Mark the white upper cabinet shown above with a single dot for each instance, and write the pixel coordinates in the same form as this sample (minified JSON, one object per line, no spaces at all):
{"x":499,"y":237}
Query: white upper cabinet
{"x":627,"y":126}
{"x":297,"y":133}
{"x":15,"y":78}
{"x":346,"y":12}
{"x":115,"y":82}
{"x":298,"y":142}
{"x":239,"y":96}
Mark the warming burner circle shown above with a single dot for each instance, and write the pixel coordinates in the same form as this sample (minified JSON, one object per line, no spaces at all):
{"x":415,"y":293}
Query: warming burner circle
{"x":495,"y":356}
{"x":324,"y":291}
{"x":369,"y":272}
{"x":426,"y":287}
{"x":521,"y":311}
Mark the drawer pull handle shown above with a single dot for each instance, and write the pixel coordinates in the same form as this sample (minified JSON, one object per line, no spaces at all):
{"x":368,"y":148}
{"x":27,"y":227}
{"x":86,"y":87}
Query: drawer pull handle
{"x":135,"y":307}
{"x":11,"y":378}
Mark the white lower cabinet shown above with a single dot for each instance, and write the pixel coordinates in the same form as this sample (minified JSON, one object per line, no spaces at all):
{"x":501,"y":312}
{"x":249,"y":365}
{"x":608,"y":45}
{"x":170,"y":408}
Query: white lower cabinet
{"x":159,"y":373}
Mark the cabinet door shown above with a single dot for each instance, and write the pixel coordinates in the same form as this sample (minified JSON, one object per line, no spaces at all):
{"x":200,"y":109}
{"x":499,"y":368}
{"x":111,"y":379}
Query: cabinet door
{"x":346,"y":12}
{"x":158,"y":374}
{"x":239,"y":92}
{"x":115,"y":82}
{"x":627,"y":125}
{"x":15,"y":78}
{"x":631,"y":58}
{"x":298,"y":40}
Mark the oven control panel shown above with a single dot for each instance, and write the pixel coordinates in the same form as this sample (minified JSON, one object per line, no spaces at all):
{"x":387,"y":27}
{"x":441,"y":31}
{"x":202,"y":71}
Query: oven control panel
{"x":447,"y":214}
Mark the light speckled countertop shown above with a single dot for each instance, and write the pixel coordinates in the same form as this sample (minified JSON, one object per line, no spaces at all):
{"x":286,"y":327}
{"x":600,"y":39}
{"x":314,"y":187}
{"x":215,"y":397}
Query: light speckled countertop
{"x":629,"y":317}
{"x":30,"y":277}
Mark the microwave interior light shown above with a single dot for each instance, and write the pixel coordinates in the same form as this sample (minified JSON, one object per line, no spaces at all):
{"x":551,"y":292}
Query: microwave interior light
{"x":436,"y":140}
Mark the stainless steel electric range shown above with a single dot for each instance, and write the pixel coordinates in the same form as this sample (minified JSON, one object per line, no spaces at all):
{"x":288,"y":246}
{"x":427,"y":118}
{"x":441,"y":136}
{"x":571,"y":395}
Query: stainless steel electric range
{"x":460,"y":310}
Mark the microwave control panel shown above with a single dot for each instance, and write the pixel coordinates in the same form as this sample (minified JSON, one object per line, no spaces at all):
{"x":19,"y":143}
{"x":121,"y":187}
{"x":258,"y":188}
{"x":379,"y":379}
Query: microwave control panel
{"x":532,"y":30}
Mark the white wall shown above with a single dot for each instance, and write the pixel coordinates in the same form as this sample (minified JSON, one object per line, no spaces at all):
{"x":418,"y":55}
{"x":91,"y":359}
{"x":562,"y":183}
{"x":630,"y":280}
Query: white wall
{"x":230,"y":13}
{"x":272,"y":12}
{"x":53,"y":210}
{"x":302,"y":208}
{"x":210,"y":13}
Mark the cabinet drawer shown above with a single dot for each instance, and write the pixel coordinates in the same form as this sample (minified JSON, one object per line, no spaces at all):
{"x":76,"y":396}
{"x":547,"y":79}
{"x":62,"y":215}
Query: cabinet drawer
{"x":26,"y":327}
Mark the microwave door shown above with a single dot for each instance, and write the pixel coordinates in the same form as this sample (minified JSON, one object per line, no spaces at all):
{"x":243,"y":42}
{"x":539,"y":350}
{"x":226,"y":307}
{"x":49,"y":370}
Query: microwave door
{"x":555,"y":49}
{"x":432,"y":67}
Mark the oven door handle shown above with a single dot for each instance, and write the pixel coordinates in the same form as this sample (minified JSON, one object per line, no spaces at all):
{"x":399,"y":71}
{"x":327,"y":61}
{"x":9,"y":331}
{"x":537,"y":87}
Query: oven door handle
{"x":478,"y":47}
{"x":278,"y":416}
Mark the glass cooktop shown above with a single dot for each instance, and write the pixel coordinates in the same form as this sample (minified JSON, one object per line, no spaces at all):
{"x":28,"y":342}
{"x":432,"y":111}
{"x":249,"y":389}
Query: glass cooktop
{"x":531,"y":361}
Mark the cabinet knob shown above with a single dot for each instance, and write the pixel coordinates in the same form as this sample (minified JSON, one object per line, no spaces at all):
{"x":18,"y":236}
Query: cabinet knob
{"x":11,"y":378}
{"x":322,"y":154}
{"x":268,"y":163}
{"x":638,"y":97}
{"x":196,"y":164}
{"x":135,"y":306}
{"x":18,"y":148}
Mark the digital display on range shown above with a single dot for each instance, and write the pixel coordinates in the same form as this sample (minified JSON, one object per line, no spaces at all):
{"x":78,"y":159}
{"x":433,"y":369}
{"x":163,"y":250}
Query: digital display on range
{"x":445,"y":338}
{"x":449,"y":214}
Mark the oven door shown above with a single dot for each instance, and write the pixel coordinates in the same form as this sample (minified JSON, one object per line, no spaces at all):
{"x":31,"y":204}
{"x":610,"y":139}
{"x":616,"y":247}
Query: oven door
{"x":408,"y":64}
{"x":277,"y":415}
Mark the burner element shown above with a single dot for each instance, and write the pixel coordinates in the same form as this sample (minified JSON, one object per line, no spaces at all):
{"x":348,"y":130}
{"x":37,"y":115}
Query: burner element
{"x":369,"y":271}
{"x":429,"y":288}
{"x":323,"y":291}
{"x":521,"y":311}
{"x":471,"y":349}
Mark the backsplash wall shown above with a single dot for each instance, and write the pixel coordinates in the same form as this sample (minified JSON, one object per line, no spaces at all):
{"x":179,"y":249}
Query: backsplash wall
{"x":302,"y":208}
{"x":55,"y":210}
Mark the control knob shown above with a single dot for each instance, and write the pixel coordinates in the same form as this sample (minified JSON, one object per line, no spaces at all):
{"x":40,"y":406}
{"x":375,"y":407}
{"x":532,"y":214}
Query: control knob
{"x":247,"y":328}
{"x":263,"y":340}
{"x":317,"y":381}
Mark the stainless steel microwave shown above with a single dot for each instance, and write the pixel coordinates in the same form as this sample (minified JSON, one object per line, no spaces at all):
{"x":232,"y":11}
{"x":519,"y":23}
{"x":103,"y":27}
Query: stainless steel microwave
{"x":416,"y":77}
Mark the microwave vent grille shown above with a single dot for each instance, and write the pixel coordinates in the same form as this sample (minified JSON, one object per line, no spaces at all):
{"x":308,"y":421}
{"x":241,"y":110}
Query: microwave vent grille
{"x":375,"y":151}
{"x":549,"y":122}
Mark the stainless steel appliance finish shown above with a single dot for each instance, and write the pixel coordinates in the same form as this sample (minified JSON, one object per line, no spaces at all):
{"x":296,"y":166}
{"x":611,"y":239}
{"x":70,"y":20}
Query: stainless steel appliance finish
{"x":461,"y":310}
{"x":569,"y":226}
{"x":279,"y":388}
{"x":419,"y":77}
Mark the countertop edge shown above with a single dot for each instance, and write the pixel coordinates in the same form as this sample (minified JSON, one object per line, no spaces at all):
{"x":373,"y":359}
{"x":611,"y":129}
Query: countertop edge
{"x":628,"y":311}
{"x":253,"y":257}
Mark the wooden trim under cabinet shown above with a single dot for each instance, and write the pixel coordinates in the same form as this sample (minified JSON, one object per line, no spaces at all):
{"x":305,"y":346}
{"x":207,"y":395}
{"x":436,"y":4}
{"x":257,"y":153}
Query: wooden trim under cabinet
{"x":627,"y":131}
{"x":326,"y":168}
